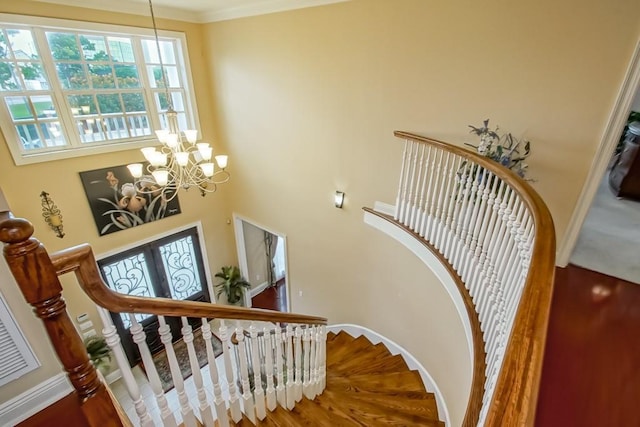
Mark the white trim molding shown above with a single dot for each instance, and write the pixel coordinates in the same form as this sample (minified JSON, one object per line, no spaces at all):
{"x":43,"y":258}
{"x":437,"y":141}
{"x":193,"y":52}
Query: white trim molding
{"x":610,"y":137}
{"x":242,"y":256}
{"x":34,"y":400}
{"x":202,"y":13}
{"x":413,"y":363}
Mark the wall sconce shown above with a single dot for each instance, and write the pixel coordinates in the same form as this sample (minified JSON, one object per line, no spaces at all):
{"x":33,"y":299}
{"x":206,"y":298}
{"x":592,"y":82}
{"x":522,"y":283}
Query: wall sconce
{"x":339,"y":199}
{"x":51,"y":214}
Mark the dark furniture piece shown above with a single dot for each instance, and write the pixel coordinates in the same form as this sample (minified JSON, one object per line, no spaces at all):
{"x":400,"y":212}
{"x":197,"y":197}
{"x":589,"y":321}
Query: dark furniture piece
{"x":624,"y":177}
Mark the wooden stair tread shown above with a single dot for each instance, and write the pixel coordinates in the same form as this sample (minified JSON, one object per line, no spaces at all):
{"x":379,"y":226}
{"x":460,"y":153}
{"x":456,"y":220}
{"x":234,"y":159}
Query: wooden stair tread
{"x":323,"y":412}
{"x":339,"y":339}
{"x":367,"y":386}
{"x":376,"y":413}
{"x":423,"y":405}
{"x":374,"y":352}
{"x":378,"y":366}
{"x":346,"y":350}
{"x":407,"y":381}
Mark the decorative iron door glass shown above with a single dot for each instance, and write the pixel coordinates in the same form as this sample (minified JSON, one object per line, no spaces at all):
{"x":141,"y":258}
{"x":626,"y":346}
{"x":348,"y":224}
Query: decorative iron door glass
{"x":171,"y":267}
{"x":119,"y":201}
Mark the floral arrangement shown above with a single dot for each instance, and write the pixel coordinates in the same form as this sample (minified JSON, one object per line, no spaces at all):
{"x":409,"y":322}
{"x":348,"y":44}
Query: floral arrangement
{"x":506,"y":149}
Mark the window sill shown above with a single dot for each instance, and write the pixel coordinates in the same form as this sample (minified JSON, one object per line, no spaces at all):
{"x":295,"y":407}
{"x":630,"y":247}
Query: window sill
{"x":70,"y":152}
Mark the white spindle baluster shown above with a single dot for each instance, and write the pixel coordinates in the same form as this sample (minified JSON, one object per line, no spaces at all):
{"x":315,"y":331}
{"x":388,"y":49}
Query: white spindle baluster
{"x":424,"y":221}
{"x":407,"y":178}
{"x":399,"y":203}
{"x":268,"y":361}
{"x":280,"y":366}
{"x":455,"y":223}
{"x":247,"y":399}
{"x":218,"y":400}
{"x":477,"y":220}
{"x":306,"y":358}
{"x":420,"y":219}
{"x":444,"y":244}
{"x":139,"y":337}
{"x":234,"y":398}
{"x":291,"y":397}
{"x":441,"y":210}
{"x":323,"y":359}
{"x":186,"y":410}
{"x":413,"y":194}
{"x":313,"y":363}
{"x":422,"y":182}
{"x":433,"y":195}
{"x":196,"y":373}
{"x":488,"y":223}
{"x":463,"y":219}
{"x":113,"y":341}
{"x":298,"y":363}
{"x":438,"y":195}
{"x":258,"y":391}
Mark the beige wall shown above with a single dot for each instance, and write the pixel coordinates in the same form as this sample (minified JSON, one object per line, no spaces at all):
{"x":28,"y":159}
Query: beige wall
{"x":22,"y":185}
{"x":255,"y":250}
{"x":308,"y":100}
{"x":306,"y":103}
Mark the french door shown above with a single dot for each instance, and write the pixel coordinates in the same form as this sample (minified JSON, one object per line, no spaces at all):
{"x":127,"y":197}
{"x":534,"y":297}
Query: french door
{"x":170,"y":267}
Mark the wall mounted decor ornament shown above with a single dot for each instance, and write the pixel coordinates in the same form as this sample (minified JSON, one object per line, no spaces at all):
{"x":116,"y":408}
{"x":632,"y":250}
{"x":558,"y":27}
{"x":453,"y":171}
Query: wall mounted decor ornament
{"x":51,"y":214}
{"x":117,"y":204}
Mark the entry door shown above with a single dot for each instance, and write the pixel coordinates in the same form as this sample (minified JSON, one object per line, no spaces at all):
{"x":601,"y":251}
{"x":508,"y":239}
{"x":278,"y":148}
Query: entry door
{"x":170,"y":267}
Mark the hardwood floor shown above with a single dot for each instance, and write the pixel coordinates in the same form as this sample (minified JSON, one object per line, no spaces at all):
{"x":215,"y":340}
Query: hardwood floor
{"x":591,"y":373}
{"x":272,"y":298}
{"x":65,"y":411}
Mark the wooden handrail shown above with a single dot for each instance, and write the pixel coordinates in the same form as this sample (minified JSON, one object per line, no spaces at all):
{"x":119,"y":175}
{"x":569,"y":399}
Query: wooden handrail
{"x":515,"y":397}
{"x":37,"y":279}
{"x":80,"y":260}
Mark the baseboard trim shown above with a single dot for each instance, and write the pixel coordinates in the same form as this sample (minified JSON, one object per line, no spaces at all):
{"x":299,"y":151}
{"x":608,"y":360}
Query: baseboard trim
{"x":114,"y":376}
{"x":34,"y":400}
{"x":413,"y":363}
{"x":261,"y":287}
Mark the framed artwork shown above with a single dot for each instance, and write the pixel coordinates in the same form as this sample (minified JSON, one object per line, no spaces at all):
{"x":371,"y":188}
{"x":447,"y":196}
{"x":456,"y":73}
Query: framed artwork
{"x":118,"y":202}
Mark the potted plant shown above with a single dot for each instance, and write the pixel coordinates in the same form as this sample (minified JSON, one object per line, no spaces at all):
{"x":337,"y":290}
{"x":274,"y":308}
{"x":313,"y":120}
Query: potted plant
{"x":99,"y":352}
{"x":233,"y":285}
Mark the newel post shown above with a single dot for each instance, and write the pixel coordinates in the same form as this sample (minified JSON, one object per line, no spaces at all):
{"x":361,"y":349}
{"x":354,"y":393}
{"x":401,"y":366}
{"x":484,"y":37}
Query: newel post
{"x":37,"y":279}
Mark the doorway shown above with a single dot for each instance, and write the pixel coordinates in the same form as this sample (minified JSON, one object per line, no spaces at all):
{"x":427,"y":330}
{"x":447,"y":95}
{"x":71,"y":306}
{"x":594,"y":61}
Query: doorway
{"x":263,"y":263}
{"x":165,"y":267}
{"x":610,"y":138}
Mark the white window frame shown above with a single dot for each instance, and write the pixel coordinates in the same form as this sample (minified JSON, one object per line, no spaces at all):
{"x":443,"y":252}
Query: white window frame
{"x":76,"y":149}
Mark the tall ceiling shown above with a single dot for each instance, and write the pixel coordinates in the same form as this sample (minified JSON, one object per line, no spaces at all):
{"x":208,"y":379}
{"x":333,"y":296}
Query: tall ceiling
{"x":197,"y":10}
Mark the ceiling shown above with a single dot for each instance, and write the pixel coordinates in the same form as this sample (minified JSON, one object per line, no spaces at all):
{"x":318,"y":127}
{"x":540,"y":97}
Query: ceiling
{"x":196,"y":10}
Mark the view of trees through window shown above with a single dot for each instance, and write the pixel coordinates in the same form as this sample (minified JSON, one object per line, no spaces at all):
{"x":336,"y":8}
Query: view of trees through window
{"x":66,"y":88}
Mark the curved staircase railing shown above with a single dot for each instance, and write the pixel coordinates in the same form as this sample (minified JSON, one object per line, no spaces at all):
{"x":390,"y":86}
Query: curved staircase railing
{"x":496,"y":236}
{"x":488,"y":227}
{"x":282,"y":359}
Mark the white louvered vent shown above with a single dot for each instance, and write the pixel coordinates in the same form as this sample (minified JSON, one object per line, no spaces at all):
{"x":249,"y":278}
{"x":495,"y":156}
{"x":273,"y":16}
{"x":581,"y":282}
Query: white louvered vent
{"x":16,"y":356}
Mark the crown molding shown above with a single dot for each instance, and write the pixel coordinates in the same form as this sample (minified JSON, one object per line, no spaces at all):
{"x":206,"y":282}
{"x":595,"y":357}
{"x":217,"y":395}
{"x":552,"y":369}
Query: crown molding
{"x":261,"y":8}
{"x":255,"y":8}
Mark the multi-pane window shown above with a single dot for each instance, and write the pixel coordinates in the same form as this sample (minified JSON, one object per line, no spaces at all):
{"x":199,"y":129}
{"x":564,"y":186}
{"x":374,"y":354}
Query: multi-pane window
{"x":66,"y":90}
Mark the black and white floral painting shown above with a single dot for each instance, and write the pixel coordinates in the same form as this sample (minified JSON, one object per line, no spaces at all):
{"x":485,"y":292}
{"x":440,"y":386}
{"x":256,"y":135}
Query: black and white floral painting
{"x":119,"y":202}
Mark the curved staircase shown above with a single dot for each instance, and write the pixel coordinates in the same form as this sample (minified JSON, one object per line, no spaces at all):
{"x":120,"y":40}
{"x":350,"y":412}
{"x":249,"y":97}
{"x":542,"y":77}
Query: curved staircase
{"x":366,"y":386}
{"x":490,"y":236}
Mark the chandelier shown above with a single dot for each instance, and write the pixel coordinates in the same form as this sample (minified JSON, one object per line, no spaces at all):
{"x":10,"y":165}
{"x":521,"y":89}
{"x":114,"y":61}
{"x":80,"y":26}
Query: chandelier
{"x":181,"y":162}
